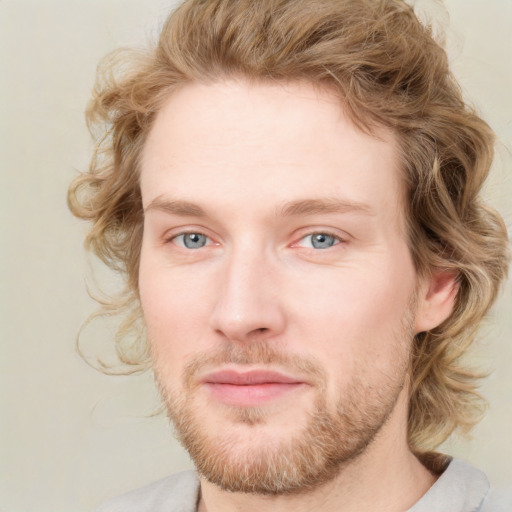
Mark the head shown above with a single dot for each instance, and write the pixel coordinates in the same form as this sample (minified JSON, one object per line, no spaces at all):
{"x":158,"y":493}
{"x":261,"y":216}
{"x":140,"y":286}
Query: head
{"x":375,"y":65}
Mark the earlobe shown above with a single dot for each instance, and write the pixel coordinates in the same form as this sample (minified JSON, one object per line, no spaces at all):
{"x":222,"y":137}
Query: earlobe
{"x":436,"y":299}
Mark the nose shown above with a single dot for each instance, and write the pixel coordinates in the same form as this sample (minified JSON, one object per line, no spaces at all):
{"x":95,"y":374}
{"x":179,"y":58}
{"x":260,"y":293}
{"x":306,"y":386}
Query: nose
{"x":249,"y":306}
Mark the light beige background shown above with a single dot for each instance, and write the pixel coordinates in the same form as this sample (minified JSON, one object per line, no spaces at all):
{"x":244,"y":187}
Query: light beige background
{"x":69,"y":436}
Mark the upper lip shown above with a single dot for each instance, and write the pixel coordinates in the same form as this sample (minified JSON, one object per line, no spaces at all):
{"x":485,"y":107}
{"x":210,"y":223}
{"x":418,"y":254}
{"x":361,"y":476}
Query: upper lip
{"x":248,"y":378}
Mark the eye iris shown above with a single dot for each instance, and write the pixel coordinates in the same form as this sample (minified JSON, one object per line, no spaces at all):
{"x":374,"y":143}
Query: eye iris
{"x":322,"y":241}
{"x":194,"y":240}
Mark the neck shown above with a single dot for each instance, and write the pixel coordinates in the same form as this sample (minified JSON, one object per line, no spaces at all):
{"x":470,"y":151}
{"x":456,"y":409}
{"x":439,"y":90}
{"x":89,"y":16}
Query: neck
{"x":386,"y":477}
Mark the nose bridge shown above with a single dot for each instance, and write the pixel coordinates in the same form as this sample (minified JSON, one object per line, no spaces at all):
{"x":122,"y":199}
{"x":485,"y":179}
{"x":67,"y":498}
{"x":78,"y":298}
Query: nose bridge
{"x":247,"y":303}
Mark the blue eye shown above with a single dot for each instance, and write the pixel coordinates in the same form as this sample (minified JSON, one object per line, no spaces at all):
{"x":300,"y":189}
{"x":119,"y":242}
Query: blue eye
{"x":191,"y":240}
{"x":322,"y":240}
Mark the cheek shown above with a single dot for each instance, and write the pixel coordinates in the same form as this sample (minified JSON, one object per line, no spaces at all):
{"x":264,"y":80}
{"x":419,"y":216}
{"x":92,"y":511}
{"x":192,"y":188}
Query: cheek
{"x":354,"y":301}
{"x":354,"y":321}
{"x":170,"y":294}
{"x":175,"y":311}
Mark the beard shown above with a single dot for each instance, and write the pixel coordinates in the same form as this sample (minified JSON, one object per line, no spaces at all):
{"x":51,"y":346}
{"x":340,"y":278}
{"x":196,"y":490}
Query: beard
{"x":250,"y":460}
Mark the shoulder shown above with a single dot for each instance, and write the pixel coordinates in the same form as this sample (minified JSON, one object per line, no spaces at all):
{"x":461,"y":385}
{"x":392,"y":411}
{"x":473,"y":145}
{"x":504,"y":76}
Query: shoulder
{"x":463,"y":488}
{"x":497,"y":501}
{"x":177,"y":493}
{"x":477,"y":490}
{"x":460,"y":488}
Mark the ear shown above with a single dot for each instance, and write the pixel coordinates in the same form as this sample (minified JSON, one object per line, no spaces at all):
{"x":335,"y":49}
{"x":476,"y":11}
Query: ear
{"x":436,"y":299}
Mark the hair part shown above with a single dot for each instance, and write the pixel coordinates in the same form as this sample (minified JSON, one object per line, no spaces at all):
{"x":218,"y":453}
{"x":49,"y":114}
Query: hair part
{"x":388,"y":71}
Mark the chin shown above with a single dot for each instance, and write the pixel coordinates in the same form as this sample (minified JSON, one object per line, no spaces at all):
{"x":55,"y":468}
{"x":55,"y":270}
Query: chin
{"x":248,"y":450}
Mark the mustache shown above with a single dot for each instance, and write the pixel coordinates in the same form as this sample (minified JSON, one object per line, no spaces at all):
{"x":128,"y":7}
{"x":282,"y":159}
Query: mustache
{"x":255,"y":352}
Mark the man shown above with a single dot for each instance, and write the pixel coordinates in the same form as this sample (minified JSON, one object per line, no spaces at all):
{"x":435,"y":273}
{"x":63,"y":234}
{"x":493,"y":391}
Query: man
{"x":292,"y":190}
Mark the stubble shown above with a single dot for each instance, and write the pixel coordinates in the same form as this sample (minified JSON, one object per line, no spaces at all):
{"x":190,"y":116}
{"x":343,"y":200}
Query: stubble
{"x":312,"y":455}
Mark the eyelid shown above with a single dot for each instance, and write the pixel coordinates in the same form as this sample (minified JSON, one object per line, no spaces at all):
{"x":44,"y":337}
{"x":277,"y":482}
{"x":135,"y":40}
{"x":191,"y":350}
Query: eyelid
{"x":183,"y":244}
{"x":301,"y":234}
{"x":336,"y":241}
{"x":341,"y":237}
{"x":174,"y":233}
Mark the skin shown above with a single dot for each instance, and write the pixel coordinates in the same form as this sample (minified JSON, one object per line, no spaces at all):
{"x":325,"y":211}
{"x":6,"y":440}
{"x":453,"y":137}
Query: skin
{"x":255,"y":171}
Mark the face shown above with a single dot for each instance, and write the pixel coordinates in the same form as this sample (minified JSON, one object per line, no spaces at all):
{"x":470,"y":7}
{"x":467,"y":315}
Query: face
{"x":276,"y":282}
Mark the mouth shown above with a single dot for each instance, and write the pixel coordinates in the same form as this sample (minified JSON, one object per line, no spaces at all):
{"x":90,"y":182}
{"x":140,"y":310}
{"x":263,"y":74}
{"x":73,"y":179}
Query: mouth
{"x":250,"y":388}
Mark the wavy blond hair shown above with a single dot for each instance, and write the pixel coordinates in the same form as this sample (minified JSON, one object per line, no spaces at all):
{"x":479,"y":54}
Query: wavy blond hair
{"x":388,"y":70}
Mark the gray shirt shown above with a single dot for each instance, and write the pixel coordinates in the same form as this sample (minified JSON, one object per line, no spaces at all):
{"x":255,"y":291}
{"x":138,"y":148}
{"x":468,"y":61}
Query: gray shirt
{"x":461,"y":488}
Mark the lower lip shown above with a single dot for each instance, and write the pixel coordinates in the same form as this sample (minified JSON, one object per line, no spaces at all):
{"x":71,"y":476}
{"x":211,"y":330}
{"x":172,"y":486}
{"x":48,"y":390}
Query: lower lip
{"x":251,"y":395}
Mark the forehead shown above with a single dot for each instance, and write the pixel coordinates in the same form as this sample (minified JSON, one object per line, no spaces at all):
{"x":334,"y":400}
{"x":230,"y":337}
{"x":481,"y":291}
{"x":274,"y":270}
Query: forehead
{"x":236,"y":141}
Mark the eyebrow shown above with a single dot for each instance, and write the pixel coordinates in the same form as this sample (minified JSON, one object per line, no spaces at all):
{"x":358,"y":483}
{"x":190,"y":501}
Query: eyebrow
{"x":326,"y":205}
{"x":288,"y":209}
{"x":176,"y":207}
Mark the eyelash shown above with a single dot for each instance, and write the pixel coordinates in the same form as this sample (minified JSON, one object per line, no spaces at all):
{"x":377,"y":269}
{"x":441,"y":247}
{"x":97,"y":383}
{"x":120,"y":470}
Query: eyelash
{"x":174,"y":236}
{"x":338,"y":239}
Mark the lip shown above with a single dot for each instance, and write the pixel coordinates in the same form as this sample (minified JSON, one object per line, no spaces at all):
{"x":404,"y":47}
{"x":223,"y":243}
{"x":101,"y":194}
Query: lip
{"x":249,"y":378}
{"x":249,"y":388}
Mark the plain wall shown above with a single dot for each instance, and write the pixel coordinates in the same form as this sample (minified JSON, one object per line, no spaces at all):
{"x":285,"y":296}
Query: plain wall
{"x":69,"y":436}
